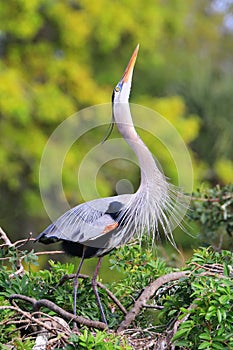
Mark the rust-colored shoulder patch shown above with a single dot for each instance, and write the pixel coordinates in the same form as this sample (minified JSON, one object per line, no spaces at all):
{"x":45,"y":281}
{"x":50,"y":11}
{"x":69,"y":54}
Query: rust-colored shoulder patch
{"x":110,"y":227}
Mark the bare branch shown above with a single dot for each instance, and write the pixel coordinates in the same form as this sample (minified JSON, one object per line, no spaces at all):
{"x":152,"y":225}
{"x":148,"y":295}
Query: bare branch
{"x":57,"y":309}
{"x":155,"y":307}
{"x":19,"y":271}
{"x":28,"y":316}
{"x":148,"y":293}
{"x":50,"y":252}
{"x":178,"y":322}
{"x":17,"y":244}
{"x":113,"y":297}
{"x":201,"y":199}
{"x":24,"y":241}
{"x":5,"y":238}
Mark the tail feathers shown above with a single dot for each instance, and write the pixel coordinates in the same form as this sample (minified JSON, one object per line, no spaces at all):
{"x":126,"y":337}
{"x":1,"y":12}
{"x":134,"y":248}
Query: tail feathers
{"x":43,"y":238}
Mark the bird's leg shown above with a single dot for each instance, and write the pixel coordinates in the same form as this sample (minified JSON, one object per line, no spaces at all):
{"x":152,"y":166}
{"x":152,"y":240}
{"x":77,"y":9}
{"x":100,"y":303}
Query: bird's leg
{"x":76,"y":283}
{"x":94,"y":286}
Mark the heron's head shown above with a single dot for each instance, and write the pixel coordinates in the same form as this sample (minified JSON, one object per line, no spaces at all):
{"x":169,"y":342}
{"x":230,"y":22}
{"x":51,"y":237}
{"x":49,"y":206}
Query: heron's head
{"x":121,"y":91}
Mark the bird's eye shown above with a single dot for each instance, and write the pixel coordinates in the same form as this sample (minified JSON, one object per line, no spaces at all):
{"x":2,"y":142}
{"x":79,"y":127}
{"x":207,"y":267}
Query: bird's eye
{"x":117,"y":89}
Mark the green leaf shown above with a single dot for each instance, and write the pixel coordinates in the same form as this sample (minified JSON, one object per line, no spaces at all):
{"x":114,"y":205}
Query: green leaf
{"x":224,"y":299}
{"x":172,"y":312}
{"x":205,"y":345}
{"x":179,"y":334}
{"x":183,"y":343}
{"x":209,"y":315}
{"x":218,"y":346}
{"x":226,"y":269}
{"x":205,"y":336}
{"x":219,"y":315}
{"x":212,"y":308}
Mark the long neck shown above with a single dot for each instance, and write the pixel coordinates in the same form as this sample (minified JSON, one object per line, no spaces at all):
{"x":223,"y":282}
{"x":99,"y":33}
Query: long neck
{"x":150,"y":174}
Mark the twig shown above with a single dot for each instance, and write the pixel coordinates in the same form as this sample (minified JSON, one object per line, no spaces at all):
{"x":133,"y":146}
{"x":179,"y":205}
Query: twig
{"x":19,"y":271}
{"x":17,"y":244}
{"x":43,"y":324}
{"x":50,"y":252}
{"x":155,"y":307}
{"x":8,"y":243}
{"x":4,"y":237}
{"x":22,"y":242}
{"x":178,"y":322}
{"x":201,"y":199}
{"x":26,"y":314}
{"x":212,"y":269}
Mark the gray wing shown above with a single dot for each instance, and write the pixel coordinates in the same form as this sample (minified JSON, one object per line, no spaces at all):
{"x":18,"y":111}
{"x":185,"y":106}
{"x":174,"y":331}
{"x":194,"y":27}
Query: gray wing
{"x":86,"y":222}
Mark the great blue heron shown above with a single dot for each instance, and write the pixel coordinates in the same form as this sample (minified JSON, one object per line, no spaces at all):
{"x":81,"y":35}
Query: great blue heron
{"x":94,"y":228}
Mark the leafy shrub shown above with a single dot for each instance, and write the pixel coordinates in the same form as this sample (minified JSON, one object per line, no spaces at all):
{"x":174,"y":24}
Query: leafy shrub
{"x":203,"y":303}
{"x":212,"y":209}
{"x":97,"y":341}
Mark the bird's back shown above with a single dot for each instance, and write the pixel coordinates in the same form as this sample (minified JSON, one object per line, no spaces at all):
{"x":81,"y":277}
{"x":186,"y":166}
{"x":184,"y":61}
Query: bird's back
{"x":96,"y":224}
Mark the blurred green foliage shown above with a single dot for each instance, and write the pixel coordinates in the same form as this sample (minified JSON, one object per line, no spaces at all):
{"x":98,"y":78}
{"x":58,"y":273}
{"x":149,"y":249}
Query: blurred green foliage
{"x":57,"y":57}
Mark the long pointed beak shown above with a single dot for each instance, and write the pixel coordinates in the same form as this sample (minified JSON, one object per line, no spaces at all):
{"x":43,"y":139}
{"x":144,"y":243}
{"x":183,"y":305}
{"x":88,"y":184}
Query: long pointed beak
{"x":130,"y":67}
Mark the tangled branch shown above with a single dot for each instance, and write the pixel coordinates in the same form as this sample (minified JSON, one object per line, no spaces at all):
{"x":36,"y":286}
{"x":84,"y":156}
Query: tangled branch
{"x":147,"y":294}
{"x":54,"y":327}
{"x":37,"y":304}
{"x":19,"y":265}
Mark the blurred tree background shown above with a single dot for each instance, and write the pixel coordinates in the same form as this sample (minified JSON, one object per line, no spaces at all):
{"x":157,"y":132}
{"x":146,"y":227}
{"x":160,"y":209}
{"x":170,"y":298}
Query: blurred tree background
{"x":60,"y":56}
